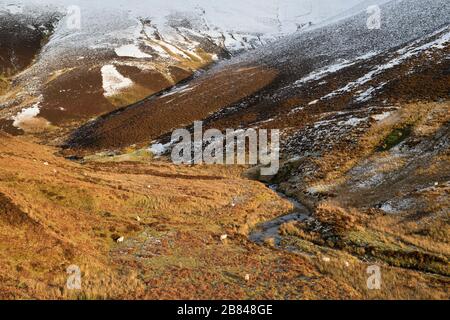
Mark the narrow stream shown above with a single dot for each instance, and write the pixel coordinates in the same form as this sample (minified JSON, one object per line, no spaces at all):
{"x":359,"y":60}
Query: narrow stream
{"x":271,"y":229}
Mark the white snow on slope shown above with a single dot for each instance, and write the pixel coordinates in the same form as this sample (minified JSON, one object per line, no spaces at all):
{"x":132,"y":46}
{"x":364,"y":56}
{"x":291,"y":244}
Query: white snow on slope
{"x":369,"y":93}
{"x":132,"y":51}
{"x":178,"y":90}
{"x":381,"y":116}
{"x":232,"y":20}
{"x":321,"y":73}
{"x":113,"y":81}
{"x":352,"y":122}
{"x":26,"y":114}
{"x":180,"y":28}
{"x":402,"y":55}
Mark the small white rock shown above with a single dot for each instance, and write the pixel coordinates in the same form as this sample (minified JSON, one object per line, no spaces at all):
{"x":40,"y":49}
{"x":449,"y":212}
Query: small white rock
{"x":247,"y":277}
{"x":326,"y":259}
{"x":347,"y":264}
{"x":223,"y":237}
{"x":46,"y":163}
{"x":138,"y":219}
{"x":121,"y":239}
{"x":436,"y":184}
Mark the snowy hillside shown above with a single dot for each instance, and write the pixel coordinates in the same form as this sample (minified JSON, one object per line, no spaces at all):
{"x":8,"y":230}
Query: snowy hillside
{"x":133,"y":49}
{"x":340,"y":66}
{"x":232,"y":25}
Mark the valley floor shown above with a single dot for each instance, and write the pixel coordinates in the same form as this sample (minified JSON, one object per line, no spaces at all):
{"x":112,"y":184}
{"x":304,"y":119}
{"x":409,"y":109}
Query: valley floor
{"x":56,"y":213}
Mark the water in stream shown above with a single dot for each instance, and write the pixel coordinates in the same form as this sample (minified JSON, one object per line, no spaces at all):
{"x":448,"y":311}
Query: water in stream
{"x":271,"y":229}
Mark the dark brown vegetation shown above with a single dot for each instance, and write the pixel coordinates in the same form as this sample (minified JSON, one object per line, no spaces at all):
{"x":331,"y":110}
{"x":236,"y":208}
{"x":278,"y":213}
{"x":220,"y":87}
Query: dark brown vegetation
{"x":21,"y":39}
{"x":145,"y":121}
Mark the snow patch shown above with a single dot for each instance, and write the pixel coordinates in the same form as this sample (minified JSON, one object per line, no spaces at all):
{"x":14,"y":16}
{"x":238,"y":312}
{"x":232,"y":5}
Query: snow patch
{"x":132,"y":51}
{"x":113,"y":81}
{"x":381,"y":116}
{"x":173,"y":49}
{"x":26,"y":114}
{"x":398,"y":205}
{"x":158,"y":149}
{"x":352,"y":122}
{"x":181,"y":89}
{"x":366,"y":95}
{"x":295,"y":110}
{"x":159,"y":50}
{"x":403,"y":55}
{"x":386,"y":207}
{"x":321,"y":73}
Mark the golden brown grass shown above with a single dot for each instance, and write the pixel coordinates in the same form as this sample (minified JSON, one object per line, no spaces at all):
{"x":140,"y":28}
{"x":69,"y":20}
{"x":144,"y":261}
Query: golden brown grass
{"x":130,"y":95}
{"x":425,"y":118}
{"x":171,"y":218}
{"x":4,"y":85}
{"x":345,"y":218}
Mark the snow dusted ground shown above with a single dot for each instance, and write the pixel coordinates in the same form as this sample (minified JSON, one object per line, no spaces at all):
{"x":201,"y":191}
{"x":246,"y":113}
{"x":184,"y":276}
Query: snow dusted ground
{"x":408,"y":29}
{"x":401,"y":56}
{"x":251,"y":16}
{"x":180,"y":24}
{"x":132,"y":51}
{"x":156,"y":34}
{"x":342,"y":65}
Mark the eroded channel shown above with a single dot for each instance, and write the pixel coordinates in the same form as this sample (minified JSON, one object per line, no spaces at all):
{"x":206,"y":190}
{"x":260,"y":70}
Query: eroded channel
{"x":271,"y":229}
